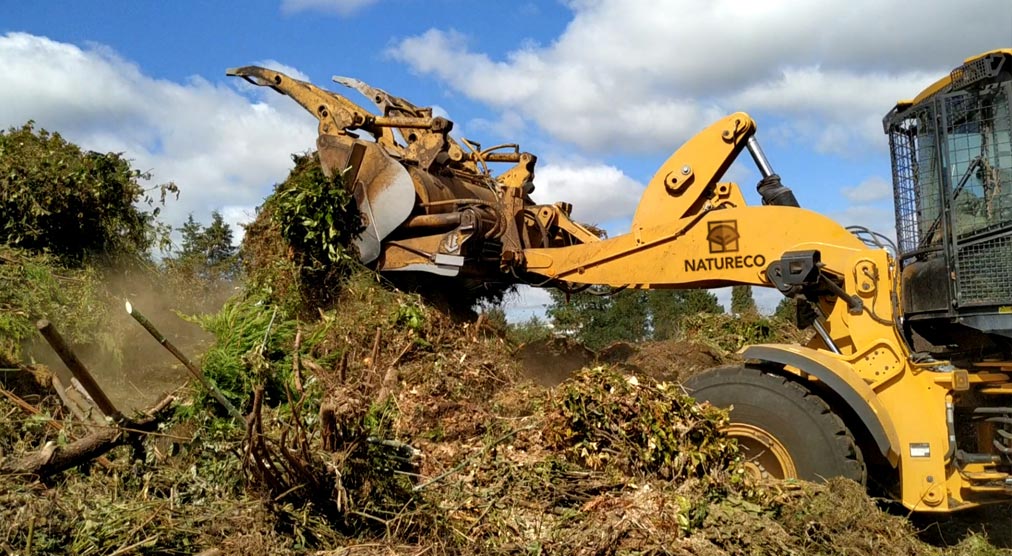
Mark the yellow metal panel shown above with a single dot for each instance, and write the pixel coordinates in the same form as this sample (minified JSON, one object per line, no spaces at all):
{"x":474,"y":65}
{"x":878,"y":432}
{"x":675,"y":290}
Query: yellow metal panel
{"x":721,"y":247}
{"x":944,"y":82}
{"x":680,"y":182}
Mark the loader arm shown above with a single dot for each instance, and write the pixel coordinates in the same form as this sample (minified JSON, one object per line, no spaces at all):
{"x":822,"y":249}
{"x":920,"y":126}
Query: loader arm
{"x":338,"y":115}
{"x":690,"y":230}
{"x":429,"y":203}
{"x":334,"y":112}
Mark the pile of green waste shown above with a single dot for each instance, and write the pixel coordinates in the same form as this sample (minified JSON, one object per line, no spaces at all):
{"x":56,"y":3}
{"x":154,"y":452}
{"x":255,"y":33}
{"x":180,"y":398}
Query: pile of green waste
{"x":374,"y":423}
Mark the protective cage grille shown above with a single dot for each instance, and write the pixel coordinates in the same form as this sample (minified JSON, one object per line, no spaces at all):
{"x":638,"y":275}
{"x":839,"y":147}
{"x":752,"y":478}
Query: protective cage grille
{"x":985,"y":272}
{"x":952,"y":179}
{"x":915,"y":181}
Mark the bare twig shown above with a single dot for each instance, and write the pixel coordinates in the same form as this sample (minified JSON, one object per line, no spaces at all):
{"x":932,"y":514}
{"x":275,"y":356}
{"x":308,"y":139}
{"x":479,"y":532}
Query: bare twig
{"x":343,"y":370}
{"x":193,"y":369}
{"x":401,"y":354}
{"x":478,"y":324}
{"x":390,"y":378}
{"x":127,"y":549}
{"x":373,"y":362}
{"x":72,"y":400}
{"x":52,"y":423}
{"x":468,"y":460}
{"x":296,"y":367}
{"x":81,"y":373}
{"x":267,"y":333}
{"x":52,"y":459}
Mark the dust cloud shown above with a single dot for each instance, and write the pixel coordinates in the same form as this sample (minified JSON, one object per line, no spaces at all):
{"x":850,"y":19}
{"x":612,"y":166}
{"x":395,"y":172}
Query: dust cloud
{"x":133,"y":369}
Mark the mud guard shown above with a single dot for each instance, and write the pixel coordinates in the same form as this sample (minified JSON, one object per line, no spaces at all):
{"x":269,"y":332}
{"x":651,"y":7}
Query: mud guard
{"x":841,"y":379}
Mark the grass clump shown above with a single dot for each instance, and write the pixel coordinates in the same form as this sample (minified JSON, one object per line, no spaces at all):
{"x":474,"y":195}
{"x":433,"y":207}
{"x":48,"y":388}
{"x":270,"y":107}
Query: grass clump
{"x":251,"y":349}
{"x":36,"y":286}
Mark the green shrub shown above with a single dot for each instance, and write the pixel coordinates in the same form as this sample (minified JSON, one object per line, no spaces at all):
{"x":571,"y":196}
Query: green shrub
{"x":34,"y":287}
{"x":56,"y":198}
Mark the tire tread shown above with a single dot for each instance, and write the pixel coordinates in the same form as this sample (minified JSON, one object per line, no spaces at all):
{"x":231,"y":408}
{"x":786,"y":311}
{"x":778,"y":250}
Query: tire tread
{"x":813,"y":403}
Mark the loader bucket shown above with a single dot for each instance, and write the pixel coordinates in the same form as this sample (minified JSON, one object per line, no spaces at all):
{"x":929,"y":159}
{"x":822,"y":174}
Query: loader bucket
{"x":382,"y":188}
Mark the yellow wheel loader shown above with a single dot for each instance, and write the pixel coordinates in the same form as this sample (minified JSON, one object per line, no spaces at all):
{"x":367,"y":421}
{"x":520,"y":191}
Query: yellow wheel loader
{"x":906,"y":381}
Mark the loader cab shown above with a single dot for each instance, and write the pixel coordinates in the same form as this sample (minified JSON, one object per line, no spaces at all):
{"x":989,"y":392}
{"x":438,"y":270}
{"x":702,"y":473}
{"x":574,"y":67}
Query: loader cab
{"x":951,"y":150}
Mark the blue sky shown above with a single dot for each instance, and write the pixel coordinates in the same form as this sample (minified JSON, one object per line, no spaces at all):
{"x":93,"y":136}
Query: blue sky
{"x":601,"y":90}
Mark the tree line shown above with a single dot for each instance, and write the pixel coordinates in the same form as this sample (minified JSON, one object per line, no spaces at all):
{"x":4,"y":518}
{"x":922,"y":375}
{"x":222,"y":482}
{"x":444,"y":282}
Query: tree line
{"x":597,"y":321}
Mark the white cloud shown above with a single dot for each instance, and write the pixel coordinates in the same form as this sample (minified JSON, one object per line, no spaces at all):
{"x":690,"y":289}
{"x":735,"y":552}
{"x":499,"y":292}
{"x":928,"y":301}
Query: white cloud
{"x":833,"y":108}
{"x":869,"y":204}
{"x":275,"y":65}
{"x":339,"y":7}
{"x":237,"y":216}
{"x":526,"y":303}
{"x":599,"y":193}
{"x":870,"y":190}
{"x":509,"y":124}
{"x":223,"y":149}
{"x":639,"y":75}
{"x":878,"y":218}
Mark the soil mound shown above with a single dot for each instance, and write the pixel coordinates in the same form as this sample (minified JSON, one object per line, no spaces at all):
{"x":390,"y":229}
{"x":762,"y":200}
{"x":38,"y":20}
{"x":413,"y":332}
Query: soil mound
{"x":552,"y":360}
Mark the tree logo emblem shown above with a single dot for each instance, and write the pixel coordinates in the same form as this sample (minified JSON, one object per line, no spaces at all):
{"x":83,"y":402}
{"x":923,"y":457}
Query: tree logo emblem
{"x":723,"y":236}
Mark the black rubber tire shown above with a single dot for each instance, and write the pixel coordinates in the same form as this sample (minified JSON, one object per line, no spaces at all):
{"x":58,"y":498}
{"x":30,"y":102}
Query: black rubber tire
{"x":815,"y":437}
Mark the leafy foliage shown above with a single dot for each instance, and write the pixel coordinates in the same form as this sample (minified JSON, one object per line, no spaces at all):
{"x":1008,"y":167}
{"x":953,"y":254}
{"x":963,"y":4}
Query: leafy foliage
{"x":299,"y":248}
{"x":317,"y":214}
{"x":729,"y":333}
{"x":249,"y":350}
{"x":36,"y":287}
{"x":742,"y":301}
{"x":633,"y":424}
{"x":56,"y":198}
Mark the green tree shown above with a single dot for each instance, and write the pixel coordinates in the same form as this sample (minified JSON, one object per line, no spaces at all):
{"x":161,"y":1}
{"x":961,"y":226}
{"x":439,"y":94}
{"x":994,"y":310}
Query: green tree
{"x":191,"y":231}
{"x":56,"y":198}
{"x":741,"y":300}
{"x":668,"y":308}
{"x":532,"y":330}
{"x":630,"y":315}
{"x":787,"y":310}
{"x":207,"y":252}
{"x":598,"y":321}
{"x":213,"y":244}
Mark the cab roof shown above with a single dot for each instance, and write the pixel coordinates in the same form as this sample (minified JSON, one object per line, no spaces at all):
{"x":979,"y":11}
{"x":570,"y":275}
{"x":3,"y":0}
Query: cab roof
{"x":990,"y":62}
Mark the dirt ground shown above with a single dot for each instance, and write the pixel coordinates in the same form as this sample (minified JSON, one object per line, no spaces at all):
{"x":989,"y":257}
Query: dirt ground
{"x":550,"y":362}
{"x":991,"y":522}
{"x":142,"y":372}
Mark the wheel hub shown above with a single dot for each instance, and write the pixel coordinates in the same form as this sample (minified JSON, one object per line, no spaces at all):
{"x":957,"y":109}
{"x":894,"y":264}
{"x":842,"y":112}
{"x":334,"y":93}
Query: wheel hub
{"x":765,"y":456}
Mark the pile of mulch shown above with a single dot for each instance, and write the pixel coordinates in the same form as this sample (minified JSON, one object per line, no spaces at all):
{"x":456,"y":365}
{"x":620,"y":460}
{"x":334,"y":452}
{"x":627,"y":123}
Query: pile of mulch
{"x":443,"y":446}
{"x":377,"y":423}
